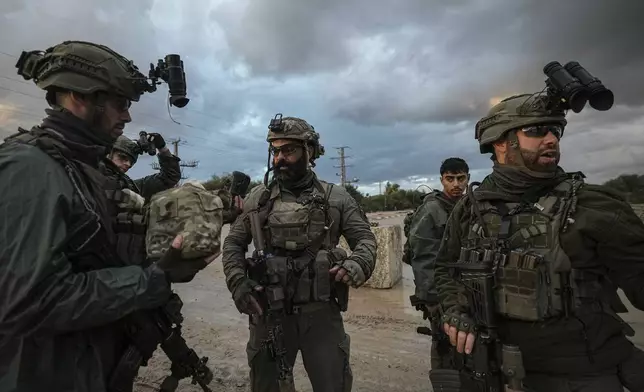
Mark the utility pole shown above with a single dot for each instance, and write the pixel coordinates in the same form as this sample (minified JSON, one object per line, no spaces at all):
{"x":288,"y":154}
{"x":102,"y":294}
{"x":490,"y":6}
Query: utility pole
{"x":343,"y":167}
{"x":175,"y":144}
{"x":385,"y":194}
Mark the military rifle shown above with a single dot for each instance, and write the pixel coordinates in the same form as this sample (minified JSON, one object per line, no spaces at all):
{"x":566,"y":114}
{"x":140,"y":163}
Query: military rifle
{"x":149,"y":329}
{"x":274,"y":301}
{"x":491,"y":363}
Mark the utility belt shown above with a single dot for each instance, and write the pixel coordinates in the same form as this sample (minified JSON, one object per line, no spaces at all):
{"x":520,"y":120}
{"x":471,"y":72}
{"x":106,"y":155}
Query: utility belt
{"x":304,"y":277}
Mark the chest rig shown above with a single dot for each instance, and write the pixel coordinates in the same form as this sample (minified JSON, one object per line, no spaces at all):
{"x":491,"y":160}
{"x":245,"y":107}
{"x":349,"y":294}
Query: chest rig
{"x":297,"y":236}
{"x":534,"y":278}
{"x":129,"y":217}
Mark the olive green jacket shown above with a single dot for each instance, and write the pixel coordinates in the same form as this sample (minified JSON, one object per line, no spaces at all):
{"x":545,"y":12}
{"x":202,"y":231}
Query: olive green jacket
{"x":606,"y":238}
{"x":348,"y":220}
{"x":425,"y":234}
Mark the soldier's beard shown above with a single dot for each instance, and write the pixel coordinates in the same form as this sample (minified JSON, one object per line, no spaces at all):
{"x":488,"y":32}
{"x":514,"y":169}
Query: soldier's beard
{"x":531,"y":160}
{"x":291,"y":172}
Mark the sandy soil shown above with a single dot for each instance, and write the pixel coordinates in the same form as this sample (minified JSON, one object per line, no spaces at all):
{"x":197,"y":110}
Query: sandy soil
{"x":386,"y":352}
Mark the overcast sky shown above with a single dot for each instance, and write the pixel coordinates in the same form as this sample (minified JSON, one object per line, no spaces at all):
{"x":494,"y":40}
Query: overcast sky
{"x":401,"y":82}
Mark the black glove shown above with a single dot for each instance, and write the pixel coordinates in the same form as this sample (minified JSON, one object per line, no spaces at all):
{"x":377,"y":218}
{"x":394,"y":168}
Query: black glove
{"x":245,"y":298}
{"x":157,"y":140}
{"x":178,"y":269}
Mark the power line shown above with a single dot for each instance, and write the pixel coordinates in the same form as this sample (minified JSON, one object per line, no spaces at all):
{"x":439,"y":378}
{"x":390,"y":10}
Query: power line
{"x":175,"y":144}
{"x":343,"y":167}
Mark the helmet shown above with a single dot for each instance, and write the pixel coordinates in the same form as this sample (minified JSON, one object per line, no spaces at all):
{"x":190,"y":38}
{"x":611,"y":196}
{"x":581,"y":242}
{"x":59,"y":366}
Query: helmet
{"x":515,"y":112}
{"x":295,"y":129}
{"x":127,"y":146}
{"x":85,"y":68}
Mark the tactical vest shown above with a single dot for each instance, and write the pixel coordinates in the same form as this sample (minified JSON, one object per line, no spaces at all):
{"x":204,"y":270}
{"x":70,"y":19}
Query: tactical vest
{"x":299,"y":232}
{"x":534,"y":277}
{"x":88,"y":244}
{"x":129,"y":216}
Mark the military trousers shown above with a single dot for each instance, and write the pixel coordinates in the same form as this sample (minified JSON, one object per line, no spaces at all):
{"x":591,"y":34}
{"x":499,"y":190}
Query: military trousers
{"x":317,"y":331}
{"x":627,"y":376}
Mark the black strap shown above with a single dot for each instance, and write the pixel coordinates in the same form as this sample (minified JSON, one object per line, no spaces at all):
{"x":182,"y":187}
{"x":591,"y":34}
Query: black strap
{"x":506,"y":219}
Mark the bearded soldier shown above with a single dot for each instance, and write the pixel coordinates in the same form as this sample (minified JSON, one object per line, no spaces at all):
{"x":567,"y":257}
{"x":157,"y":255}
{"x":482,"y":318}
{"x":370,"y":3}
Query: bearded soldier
{"x":296,"y":284}
{"x":555,"y":247}
{"x":65,"y":288}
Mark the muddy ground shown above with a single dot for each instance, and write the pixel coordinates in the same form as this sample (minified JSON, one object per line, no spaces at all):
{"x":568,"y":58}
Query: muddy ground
{"x":386,"y":352}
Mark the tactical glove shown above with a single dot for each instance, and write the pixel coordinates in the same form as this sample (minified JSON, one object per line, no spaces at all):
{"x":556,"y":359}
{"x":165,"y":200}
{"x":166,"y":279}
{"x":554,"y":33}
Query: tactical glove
{"x":244,"y":295}
{"x":178,"y":269}
{"x":461,"y":330}
{"x":157,"y":140}
{"x":349,"y":272}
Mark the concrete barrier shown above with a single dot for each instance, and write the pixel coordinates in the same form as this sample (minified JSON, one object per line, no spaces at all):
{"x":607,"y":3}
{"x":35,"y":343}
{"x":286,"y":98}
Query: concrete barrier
{"x":388,"y":271}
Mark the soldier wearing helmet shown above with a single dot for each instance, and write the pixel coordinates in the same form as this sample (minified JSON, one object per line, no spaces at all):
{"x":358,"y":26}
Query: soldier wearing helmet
{"x":125,"y":152}
{"x":67,"y":285}
{"x":559,"y":248}
{"x":295,"y":221}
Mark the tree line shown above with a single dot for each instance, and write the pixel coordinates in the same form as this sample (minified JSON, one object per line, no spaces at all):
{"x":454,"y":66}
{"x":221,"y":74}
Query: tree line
{"x":631,"y":186}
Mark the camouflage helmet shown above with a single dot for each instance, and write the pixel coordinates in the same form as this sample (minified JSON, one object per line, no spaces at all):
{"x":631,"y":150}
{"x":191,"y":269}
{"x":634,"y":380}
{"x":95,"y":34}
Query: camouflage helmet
{"x":128,"y":147}
{"x":515,"y":112}
{"x":85,"y":68}
{"x":294,"y":128}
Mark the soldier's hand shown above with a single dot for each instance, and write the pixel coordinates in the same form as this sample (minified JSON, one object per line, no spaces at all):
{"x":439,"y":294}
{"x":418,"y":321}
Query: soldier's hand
{"x":460,"y":329}
{"x":245,"y":299}
{"x":178,"y":269}
{"x":349,"y":272}
{"x":157,"y":140}
{"x":238,"y":203}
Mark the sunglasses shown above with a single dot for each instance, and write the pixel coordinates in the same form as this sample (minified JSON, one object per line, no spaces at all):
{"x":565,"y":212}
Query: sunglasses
{"x":286,"y":150}
{"x":121,"y":104}
{"x":543,"y":130}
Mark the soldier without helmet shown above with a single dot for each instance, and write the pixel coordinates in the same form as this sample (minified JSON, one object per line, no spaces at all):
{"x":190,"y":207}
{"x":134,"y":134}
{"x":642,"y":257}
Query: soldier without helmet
{"x":425,"y":231}
{"x":301,"y":219}
{"x":64,"y":286}
{"x":564,"y":245}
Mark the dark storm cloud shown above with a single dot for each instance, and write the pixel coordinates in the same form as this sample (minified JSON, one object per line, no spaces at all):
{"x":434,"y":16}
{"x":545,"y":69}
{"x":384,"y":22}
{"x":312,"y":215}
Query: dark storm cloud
{"x":431,"y":62}
{"x":283,"y":36}
{"x":401,"y":82}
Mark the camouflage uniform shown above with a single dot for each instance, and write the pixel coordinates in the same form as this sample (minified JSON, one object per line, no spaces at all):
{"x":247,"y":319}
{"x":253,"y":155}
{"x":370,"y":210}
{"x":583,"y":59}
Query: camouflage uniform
{"x":425,"y":233}
{"x":313,"y":323}
{"x":566,"y":244}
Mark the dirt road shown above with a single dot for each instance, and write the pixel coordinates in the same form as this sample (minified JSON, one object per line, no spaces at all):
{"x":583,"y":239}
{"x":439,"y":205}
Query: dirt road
{"x":386,"y":352}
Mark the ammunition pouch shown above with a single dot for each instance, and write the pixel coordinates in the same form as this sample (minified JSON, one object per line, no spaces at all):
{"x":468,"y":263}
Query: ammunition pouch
{"x":529,"y":288}
{"x":322,"y":278}
{"x":277,"y":270}
{"x":130,"y":237}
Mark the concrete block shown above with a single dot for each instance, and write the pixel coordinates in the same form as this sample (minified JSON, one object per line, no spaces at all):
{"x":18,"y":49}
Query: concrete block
{"x":388,"y":271}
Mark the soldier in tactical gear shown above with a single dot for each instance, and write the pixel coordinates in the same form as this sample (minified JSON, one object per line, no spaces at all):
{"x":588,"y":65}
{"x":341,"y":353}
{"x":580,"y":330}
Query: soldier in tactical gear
{"x":64,"y":287}
{"x":125,"y":153}
{"x":128,"y":197}
{"x":556,"y":247}
{"x":297,"y":273}
{"x":425,"y":234}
